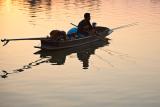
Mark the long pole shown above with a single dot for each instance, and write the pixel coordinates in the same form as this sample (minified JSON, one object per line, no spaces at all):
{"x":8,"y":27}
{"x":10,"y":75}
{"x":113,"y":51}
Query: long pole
{"x":124,"y":26}
{"x":40,"y":38}
{"x":7,"y":40}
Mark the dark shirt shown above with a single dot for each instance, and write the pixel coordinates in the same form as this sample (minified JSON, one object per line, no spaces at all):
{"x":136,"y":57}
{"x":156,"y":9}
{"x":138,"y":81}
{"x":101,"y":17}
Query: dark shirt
{"x":84,"y":27}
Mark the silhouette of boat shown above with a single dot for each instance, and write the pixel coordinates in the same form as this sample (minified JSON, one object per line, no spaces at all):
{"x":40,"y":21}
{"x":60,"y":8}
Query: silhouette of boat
{"x":49,"y":44}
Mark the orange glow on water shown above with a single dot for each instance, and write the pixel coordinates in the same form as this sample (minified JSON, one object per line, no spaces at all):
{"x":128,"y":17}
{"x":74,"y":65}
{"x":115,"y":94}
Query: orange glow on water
{"x":123,"y":73}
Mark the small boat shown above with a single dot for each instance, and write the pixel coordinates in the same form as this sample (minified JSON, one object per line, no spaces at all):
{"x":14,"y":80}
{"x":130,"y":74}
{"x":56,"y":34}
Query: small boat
{"x":49,"y":44}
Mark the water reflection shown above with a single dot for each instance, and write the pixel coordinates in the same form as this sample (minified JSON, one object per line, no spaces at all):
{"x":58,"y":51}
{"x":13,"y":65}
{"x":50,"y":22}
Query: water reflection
{"x":4,"y":73}
{"x":52,"y":9}
{"x":35,"y":8}
{"x":155,"y":1}
{"x":83,"y":53}
{"x":49,"y":11}
{"x":59,"y":57}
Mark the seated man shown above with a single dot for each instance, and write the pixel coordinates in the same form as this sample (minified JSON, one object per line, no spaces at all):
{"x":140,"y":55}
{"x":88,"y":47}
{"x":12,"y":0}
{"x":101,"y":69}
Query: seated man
{"x":58,"y":35}
{"x":85,"y":27}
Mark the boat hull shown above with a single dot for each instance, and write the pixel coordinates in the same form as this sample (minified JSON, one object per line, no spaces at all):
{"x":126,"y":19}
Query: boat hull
{"x":102,"y":32}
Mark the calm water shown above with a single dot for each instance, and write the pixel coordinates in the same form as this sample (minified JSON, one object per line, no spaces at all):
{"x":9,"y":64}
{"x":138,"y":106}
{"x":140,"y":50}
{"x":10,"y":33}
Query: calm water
{"x":124,"y":72}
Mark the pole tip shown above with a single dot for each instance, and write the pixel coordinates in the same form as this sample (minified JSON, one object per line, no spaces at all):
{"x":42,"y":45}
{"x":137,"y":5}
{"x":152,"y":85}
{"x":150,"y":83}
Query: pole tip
{"x":2,"y":40}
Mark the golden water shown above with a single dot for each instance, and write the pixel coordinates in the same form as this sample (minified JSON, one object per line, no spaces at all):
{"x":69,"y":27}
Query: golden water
{"x":124,"y":73}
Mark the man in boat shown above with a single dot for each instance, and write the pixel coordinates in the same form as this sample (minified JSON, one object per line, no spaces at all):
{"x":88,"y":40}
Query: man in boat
{"x":84,"y":26}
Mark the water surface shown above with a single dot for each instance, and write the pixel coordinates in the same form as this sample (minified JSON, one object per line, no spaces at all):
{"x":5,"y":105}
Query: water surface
{"x":124,"y":72}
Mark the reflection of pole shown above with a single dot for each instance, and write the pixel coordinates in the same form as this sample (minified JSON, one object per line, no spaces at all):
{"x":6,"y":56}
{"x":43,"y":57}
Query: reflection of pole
{"x":29,"y":66}
{"x":105,"y":60}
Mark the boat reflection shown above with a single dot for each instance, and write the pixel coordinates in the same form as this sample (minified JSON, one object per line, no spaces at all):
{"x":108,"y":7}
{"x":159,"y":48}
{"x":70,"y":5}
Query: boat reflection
{"x":59,"y":57}
{"x":83,"y":53}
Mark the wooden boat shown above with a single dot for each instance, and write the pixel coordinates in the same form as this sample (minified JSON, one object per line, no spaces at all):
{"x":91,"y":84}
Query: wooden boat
{"x":49,"y":44}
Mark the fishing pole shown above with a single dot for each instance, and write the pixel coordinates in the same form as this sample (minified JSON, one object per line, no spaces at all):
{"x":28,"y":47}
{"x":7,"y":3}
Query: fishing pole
{"x":124,"y":26}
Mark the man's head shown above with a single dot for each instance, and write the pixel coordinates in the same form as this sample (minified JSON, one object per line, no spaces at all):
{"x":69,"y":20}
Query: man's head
{"x":87,"y":16}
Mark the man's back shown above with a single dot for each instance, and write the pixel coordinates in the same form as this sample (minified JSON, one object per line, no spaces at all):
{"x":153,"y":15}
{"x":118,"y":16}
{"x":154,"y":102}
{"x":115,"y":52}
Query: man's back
{"x":84,"y":26}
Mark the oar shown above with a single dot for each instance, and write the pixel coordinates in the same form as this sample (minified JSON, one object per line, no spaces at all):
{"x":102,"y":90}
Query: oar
{"x":74,"y":25}
{"x":7,"y":40}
